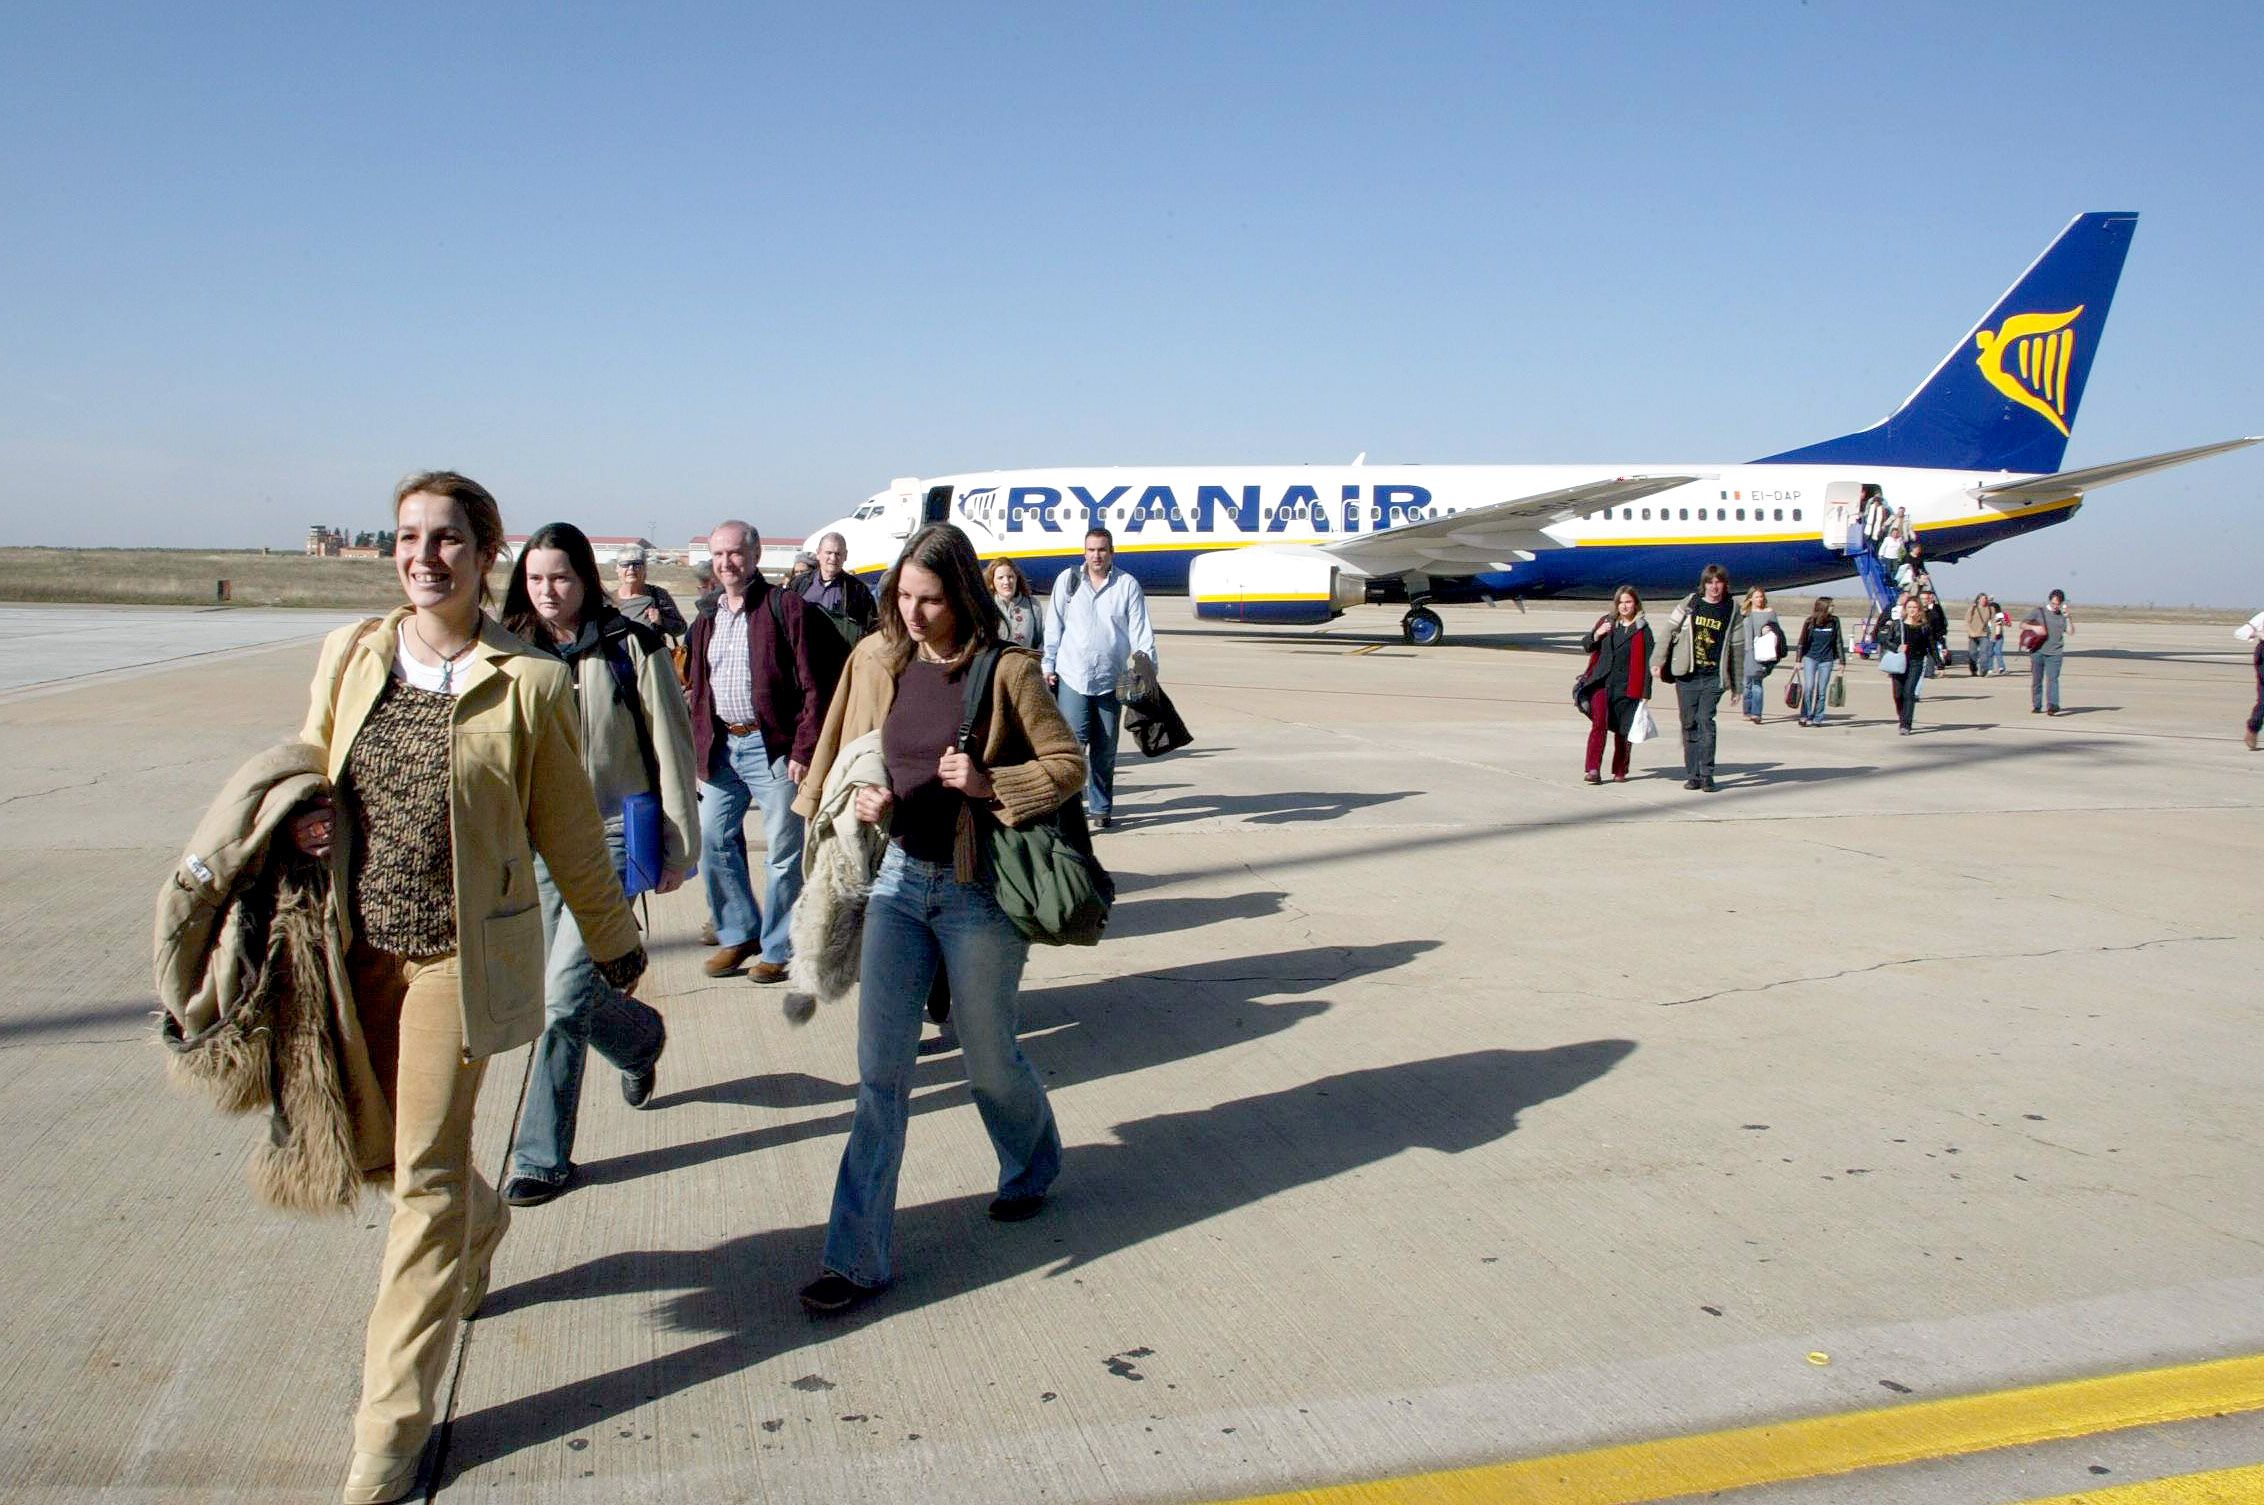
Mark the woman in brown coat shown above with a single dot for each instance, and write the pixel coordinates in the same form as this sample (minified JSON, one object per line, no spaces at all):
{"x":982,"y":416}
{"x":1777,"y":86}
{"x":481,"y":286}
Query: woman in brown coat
{"x":932,"y":904}
{"x":456,"y":754}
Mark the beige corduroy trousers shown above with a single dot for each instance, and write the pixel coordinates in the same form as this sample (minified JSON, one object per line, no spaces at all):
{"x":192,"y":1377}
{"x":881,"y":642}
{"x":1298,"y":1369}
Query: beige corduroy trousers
{"x":447,"y":1219}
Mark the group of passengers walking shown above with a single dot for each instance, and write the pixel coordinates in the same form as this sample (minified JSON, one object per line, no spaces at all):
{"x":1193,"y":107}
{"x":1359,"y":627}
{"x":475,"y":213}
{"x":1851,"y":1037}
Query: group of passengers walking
{"x":490,"y":791}
{"x":1712,"y":643}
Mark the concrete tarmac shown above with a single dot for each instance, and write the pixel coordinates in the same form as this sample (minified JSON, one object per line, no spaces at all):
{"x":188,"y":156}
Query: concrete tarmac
{"x":1425,"y":1107}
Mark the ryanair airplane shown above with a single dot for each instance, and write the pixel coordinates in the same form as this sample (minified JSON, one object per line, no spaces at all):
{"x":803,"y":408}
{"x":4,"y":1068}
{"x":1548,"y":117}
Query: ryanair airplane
{"x":1973,"y":457}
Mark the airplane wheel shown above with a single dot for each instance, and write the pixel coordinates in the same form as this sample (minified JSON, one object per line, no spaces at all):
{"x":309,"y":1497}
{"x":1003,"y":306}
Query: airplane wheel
{"x":1422,"y":627}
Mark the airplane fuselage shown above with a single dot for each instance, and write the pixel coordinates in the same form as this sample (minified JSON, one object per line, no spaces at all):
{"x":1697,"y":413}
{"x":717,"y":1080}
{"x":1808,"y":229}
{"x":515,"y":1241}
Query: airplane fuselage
{"x":1773,"y":525}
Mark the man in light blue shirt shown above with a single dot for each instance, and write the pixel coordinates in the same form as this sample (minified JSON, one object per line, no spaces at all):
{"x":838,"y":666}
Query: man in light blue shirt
{"x":1096,"y":620}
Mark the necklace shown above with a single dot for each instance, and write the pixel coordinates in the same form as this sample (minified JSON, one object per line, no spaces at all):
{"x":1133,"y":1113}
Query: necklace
{"x":447,"y":660}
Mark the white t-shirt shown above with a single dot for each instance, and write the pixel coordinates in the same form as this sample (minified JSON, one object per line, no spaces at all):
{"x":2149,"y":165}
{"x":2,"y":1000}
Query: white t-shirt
{"x":447,"y":679}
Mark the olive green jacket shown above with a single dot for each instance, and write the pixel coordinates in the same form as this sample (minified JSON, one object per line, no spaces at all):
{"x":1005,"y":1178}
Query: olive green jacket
{"x":516,"y":787}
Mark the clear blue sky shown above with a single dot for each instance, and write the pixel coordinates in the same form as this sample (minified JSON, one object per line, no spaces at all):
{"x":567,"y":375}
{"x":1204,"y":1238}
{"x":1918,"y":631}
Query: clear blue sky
{"x":657,"y":264}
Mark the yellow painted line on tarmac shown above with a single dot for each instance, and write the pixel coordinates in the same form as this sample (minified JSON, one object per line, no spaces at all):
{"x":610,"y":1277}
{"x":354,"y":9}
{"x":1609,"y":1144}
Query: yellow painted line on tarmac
{"x":1372,"y":647}
{"x":1671,"y":1467}
{"x":2229,"y":1486}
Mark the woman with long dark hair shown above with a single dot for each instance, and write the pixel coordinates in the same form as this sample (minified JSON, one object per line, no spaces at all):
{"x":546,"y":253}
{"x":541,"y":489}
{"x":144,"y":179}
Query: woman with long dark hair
{"x":932,"y":904}
{"x":637,"y":749}
{"x":1912,"y":636}
{"x":454,"y":753}
{"x":1823,"y":651}
{"x":1617,"y":680}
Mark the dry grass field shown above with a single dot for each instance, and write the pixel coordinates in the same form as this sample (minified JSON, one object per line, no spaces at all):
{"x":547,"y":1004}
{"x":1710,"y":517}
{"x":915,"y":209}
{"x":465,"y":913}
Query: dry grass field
{"x":189,"y":577}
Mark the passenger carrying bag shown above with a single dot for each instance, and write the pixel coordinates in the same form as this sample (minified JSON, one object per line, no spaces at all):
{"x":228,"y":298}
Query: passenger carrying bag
{"x":1044,"y":874}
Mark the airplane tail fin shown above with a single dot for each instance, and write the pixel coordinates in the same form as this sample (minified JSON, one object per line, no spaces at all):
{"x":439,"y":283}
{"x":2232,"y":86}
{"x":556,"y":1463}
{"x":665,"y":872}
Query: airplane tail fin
{"x":2005,"y":396}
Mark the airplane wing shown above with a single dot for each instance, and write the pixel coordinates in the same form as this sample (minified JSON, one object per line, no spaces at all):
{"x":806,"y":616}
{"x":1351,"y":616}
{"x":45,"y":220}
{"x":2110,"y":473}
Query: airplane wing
{"x":2012,"y":495}
{"x":1479,"y":536}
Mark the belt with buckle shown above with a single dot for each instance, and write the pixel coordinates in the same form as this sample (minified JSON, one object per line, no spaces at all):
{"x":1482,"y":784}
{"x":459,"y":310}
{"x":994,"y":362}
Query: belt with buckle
{"x":743,"y":729}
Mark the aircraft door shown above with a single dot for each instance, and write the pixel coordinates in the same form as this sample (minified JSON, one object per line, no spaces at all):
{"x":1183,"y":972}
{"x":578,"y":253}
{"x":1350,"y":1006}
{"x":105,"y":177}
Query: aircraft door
{"x":937,"y":508}
{"x":1843,"y":515}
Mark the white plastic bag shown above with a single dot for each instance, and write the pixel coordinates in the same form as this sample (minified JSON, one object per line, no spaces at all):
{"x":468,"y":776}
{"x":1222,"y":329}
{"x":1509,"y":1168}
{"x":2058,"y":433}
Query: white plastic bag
{"x":1640,"y":726}
{"x":1765,"y":646}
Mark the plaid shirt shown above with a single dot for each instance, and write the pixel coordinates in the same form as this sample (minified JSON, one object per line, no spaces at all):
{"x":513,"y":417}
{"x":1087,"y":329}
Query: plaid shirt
{"x":729,"y":673}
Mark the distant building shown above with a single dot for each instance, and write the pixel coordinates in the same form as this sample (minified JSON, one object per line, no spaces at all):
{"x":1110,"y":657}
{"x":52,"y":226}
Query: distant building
{"x":324,"y":543}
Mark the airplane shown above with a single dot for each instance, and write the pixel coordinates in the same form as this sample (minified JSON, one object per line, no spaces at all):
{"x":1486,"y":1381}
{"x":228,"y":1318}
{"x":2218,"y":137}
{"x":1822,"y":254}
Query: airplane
{"x":1973,"y":456}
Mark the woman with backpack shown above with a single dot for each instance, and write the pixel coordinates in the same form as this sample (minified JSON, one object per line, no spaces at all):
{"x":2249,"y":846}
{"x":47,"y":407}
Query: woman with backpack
{"x":637,"y":749}
{"x":932,"y":903}
{"x":451,"y":747}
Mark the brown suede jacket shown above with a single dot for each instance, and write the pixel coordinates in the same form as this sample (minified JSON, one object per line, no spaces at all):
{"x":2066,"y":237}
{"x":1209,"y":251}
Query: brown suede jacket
{"x":1033,"y":760}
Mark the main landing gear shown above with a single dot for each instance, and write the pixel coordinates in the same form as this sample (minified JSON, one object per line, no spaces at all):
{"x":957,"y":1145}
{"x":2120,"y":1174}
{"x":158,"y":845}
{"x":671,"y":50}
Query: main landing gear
{"x":1422,"y":627}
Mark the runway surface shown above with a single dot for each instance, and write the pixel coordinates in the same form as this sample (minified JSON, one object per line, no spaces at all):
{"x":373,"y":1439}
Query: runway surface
{"x":1427,"y":1110}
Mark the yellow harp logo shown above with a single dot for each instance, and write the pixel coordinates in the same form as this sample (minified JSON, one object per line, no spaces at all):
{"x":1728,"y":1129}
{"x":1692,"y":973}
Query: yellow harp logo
{"x":2039,"y":349}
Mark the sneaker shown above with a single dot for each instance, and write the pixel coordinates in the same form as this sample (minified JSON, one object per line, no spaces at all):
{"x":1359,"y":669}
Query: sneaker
{"x":1107,"y":823}
{"x":1591,"y":777}
{"x":726,"y":960}
{"x":707,"y":933}
{"x":830,"y":1295}
{"x":636,"y":1086}
{"x":1016,"y":1209}
{"x":2248,"y":739}
{"x":1689,"y":783}
{"x":1707,"y":784}
{"x":532,"y":1191}
{"x":766,"y":973}
{"x":1619,"y":778}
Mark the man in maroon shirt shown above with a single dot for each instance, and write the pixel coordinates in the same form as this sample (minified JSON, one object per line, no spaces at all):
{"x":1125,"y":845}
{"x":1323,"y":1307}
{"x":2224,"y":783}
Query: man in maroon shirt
{"x":759,"y":682}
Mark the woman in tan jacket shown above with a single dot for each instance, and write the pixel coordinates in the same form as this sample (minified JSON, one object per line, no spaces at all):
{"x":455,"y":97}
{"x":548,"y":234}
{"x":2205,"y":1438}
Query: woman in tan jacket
{"x":456,"y":754}
{"x":931,"y":904}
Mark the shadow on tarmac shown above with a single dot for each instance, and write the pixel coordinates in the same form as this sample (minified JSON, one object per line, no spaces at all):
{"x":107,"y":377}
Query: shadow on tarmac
{"x":1092,"y":1030}
{"x":126,"y":1011}
{"x":1164,"y":1174}
{"x":1275,"y":808}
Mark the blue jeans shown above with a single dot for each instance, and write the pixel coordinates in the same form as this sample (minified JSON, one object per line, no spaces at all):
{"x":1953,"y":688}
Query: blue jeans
{"x":1994,"y":663}
{"x":1093,"y":721}
{"x":2044,"y":681}
{"x":746,"y":775}
{"x":1756,"y":700}
{"x":582,"y":1010}
{"x":1816,"y":680}
{"x":920,"y":916}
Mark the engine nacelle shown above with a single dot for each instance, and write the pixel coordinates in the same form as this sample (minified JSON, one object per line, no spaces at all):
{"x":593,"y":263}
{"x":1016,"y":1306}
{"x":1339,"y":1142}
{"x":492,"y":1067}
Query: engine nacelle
{"x":1284,"y":584}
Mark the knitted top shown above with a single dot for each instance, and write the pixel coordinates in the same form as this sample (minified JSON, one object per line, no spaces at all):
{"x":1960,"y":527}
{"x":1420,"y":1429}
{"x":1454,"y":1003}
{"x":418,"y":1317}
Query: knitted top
{"x":404,"y":884}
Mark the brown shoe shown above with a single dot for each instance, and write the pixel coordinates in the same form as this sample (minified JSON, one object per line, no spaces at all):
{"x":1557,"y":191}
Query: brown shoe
{"x":725,"y":960}
{"x":766,"y":972}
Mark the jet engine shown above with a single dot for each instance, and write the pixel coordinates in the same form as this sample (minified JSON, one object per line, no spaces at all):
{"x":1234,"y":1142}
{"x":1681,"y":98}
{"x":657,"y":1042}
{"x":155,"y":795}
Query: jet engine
{"x":1283,"y":584}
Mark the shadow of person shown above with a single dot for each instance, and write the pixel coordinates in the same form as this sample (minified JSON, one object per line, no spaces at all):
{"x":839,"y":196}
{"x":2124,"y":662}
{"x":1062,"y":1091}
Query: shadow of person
{"x":1161,"y":1175}
{"x":1275,"y":807}
{"x":1162,"y":916}
{"x":1090,"y":1030}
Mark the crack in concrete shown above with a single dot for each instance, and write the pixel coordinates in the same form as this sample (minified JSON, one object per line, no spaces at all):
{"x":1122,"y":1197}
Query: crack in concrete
{"x":1968,"y":956}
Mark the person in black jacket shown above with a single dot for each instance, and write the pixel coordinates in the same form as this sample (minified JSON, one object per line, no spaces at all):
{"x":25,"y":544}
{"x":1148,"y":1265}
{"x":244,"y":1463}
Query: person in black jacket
{"x":1914,"y":637}
{"x":1617,"y":680}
